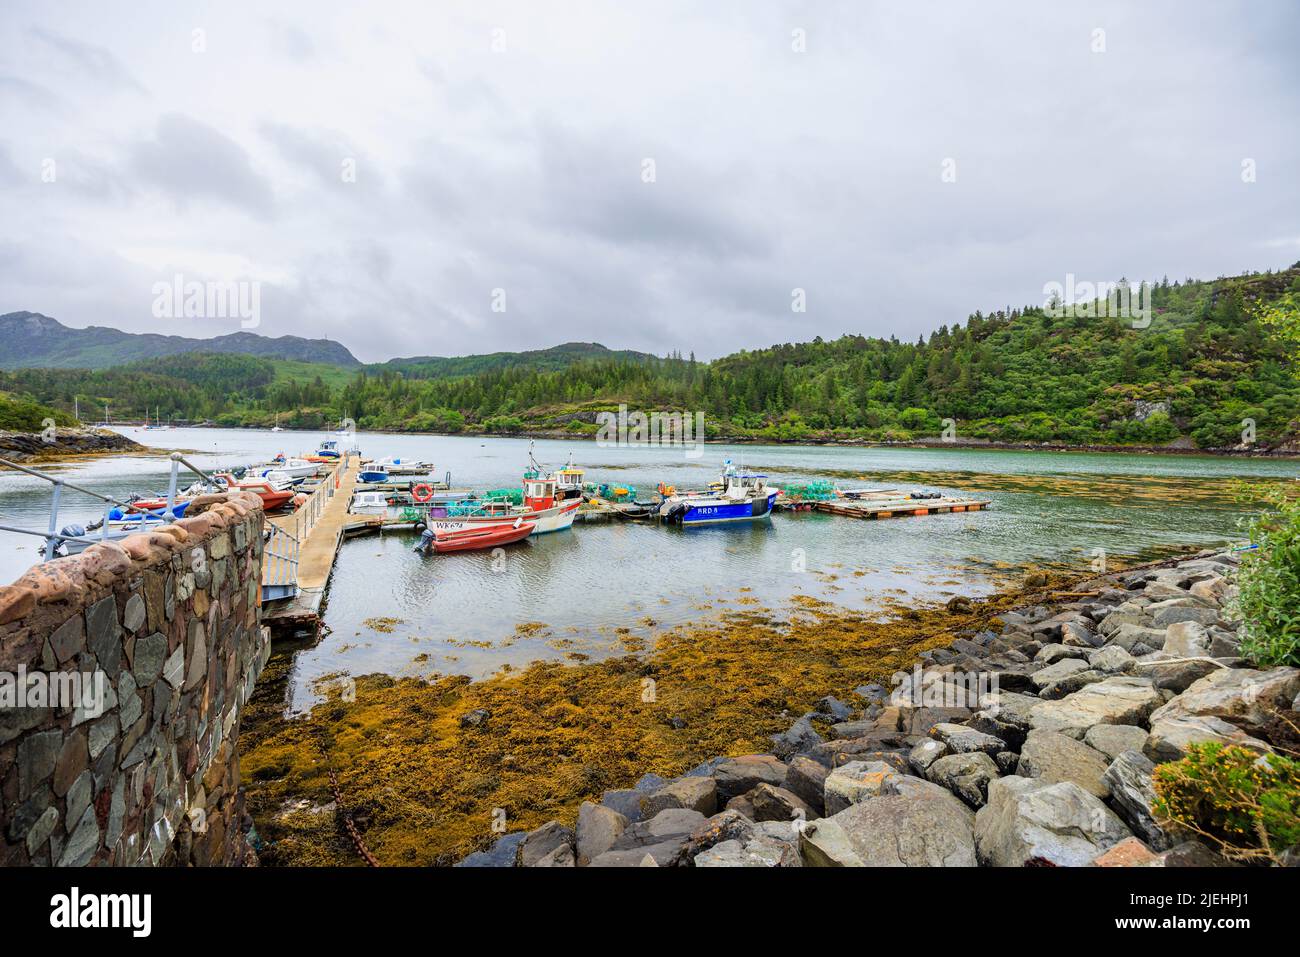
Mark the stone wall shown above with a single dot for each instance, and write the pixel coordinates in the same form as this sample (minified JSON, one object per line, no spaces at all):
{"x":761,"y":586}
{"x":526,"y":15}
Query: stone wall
{"x":171,"y":619}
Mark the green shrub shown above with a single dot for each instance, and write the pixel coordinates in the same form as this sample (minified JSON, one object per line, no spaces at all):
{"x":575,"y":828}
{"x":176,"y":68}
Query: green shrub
{"x":1245,"y":803}
{"x":1269,"y":586}
{"x":20,"y":414}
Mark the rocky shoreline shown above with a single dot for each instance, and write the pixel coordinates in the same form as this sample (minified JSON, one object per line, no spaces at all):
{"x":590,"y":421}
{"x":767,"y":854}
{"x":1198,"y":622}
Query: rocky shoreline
{"x":36,"y":447}
{"x":1049,"y":762}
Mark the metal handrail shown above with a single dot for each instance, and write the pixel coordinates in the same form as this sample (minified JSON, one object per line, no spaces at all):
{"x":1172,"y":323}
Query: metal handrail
{"x":54,"y":538}
{"x":281,"y":557}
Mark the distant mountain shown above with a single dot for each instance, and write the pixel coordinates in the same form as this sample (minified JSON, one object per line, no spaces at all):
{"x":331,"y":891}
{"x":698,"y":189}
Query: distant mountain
{"x":537,"y":360}
{"x":32,"y":340}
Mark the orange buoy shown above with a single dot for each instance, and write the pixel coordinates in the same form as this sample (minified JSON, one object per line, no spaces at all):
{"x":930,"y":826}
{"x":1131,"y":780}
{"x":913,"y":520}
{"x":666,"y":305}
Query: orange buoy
{"x":422,"y":492}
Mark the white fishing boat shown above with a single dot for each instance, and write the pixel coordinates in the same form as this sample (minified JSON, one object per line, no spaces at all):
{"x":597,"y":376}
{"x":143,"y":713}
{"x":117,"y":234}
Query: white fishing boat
{"x":541,"y":506}
{"x":369,"y":503}
{"x":287,"y":469}
{"x":396,"y":466}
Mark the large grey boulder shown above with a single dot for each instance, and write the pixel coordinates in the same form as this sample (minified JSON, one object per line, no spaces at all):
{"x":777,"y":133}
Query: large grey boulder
{"x":664,"y":838}
{"x":503,"y":853}
{"x":921,"y":826}
{"x":544,"y":846}
{"x":966,"y":775}
{"x":1174,"y":674}
{"x":962,"y":740}
{"x":1171,"y":736}
{"x":1113,"y":740}
{"x":1054,"y":673}
{"x":1137,"y":639}
{"x":778,"y":804}
{"x":1051,"y":756}
{"x":1051,"y":654}
{"x":926,"y":753}
{"x":1112,"y":659}
{"x":1241,"y":696}
{"x":697,"y":793}
{"x":807,"y":778}
{"x":598,"y":828}
{"x":800,"y":737}
{"x":856,"y":781}
{"x":1006,"y":715}
{"x":1132,"y":795}
{"x":1119,"y":700}
{"x":664,"y":854}
{"x":761,"y":851}
{"x":1186,"y":639}
{"x":1174,"y":611}
{"x":735,"y":776}
{"x":1125,"y":614}
{"x":1028,"y":820}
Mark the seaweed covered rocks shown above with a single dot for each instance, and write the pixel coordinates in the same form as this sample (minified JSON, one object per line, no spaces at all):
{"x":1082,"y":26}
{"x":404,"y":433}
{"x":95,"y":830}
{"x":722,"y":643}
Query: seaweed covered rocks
{"x":1052,"y":763}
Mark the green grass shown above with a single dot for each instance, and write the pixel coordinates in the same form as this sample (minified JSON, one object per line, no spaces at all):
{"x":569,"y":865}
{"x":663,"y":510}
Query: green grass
{"x":332,"y":375}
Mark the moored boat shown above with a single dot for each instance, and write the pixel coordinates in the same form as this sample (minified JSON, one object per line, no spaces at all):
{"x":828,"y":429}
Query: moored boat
{"x":369,"y":503}
{"x":744,"y":498}
{"x":540,"y":506}
{"x":272,"y":497}
{"x":473,"y":539}
{"x":290,"y":468}
{"x":327,"y":452}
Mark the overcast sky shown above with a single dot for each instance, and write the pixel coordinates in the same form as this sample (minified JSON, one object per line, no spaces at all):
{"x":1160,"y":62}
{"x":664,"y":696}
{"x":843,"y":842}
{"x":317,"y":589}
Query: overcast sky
{"x":912,"y":163}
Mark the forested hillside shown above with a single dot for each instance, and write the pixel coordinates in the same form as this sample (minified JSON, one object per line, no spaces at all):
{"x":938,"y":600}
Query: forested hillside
{"x":541,"y":360}
{"x":1203,"y":366}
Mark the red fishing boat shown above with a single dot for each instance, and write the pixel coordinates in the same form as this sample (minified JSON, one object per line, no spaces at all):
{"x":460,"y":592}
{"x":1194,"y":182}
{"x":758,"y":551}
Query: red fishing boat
{"x":471,"y":539}
{"x":272,"y":497}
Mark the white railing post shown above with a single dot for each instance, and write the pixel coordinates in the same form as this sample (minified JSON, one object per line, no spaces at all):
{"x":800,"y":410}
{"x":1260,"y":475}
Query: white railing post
{"x":51,"y":543}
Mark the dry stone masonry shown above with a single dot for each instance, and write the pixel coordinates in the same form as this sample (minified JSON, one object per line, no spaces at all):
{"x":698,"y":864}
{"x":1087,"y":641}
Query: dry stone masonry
{"x":149,"y":773}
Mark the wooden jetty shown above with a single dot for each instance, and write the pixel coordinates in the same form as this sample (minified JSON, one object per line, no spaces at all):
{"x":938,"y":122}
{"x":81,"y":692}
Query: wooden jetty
{"x":301,"y":547}
{"x":898,"y":508}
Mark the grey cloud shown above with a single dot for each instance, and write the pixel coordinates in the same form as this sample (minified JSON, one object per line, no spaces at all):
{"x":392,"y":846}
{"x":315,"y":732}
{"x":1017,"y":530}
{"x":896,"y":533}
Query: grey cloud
{"x":522,"y":170}
{"x":323,"y":153}
{"x":291,"y":41}
{"x":190,"y":160}
{"x":95,"y":62}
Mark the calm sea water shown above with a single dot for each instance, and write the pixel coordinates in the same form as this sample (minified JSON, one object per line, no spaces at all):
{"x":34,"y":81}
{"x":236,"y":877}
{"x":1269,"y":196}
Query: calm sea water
{"x":601,"y":589}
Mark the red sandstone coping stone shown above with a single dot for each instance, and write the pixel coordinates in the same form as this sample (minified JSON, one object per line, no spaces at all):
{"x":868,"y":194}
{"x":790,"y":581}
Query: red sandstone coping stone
{"x":15,"y":602}
{"x":198,"y":526}
{"x":109,"y":558}
{"x":55,"y":580}
{"x":1130,"y":852}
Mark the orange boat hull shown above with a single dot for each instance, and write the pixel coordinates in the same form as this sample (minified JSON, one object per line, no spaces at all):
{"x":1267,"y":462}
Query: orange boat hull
{"x":473,"y":539}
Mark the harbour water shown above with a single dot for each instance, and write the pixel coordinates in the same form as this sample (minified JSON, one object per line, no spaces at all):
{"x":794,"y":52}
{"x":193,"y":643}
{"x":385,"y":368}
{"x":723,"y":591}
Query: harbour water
{"x":608,"y":588}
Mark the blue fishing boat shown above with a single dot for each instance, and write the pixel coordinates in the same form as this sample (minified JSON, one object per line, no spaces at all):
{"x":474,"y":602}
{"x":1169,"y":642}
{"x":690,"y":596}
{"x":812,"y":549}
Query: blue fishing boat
{"x":372,"y":475}
{"x":743,"y":498}
{"x":154,"y":512}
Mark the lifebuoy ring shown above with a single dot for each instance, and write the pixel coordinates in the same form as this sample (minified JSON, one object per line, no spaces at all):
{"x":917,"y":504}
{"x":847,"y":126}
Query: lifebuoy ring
{"x":422,"y":492}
